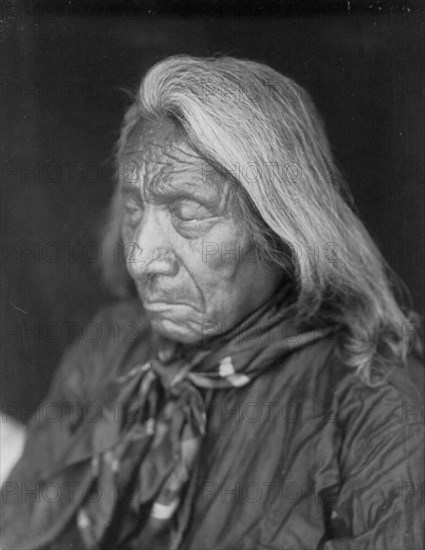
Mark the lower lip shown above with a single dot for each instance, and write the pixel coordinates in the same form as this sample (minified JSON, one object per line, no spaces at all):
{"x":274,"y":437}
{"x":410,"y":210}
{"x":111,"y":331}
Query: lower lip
{"x":160,"y":306}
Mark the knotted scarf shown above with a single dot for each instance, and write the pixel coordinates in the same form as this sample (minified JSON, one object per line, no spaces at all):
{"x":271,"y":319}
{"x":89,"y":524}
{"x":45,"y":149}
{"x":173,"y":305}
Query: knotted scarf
{"x":144,"y":449}
{"x":156,"y":449}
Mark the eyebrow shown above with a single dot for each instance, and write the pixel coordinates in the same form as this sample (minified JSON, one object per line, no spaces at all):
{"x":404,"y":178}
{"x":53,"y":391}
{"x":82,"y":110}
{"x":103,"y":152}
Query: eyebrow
{"x":171,"y":195}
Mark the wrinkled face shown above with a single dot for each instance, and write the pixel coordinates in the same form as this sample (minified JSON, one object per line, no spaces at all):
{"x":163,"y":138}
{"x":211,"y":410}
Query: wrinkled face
{"x":187,"y":246}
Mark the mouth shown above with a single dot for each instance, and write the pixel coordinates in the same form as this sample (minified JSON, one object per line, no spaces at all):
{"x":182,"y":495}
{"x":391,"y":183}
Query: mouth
{"x":158,"y":299}
{"x":160,"y":305}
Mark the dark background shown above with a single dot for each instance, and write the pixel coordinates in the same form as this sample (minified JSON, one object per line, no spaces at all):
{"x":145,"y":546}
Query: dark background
{"x":64,"y":69}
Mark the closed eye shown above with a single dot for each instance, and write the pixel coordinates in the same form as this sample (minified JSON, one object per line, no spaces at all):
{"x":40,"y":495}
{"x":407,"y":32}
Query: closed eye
{"x":132,"y":210}
{"x":190,"y":211}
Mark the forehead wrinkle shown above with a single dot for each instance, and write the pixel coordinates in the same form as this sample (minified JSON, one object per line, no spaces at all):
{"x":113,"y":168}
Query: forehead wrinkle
{"x":168,"y":145}
{"x":172,"y":167}
{"x":161,"y":169}
{"x":166,"y":148}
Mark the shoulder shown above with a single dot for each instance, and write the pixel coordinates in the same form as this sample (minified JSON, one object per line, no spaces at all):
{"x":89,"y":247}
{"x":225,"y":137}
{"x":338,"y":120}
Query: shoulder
{"x":320,"y":370}
{"x":382,"y":424}
{"x":316,"y":376}
{"x":386,"y":401}
{"x":370,"y":429}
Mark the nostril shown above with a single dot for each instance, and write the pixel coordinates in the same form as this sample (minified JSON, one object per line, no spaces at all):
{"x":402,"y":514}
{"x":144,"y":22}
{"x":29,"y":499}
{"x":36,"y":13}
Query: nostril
{"x":164,"y":254}
{"x":157,"y":261}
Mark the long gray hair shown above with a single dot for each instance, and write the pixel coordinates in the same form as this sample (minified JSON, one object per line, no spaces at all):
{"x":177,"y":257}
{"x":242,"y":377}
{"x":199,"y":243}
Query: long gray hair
{"x":263,"y":131}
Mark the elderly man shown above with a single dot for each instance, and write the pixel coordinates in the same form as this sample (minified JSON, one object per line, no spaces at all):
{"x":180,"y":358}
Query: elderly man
{"x":250,"y":390}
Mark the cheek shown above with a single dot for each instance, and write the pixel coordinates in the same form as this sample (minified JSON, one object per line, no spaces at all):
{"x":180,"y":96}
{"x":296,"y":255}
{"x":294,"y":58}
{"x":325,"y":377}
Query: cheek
{"x":216,"y":257}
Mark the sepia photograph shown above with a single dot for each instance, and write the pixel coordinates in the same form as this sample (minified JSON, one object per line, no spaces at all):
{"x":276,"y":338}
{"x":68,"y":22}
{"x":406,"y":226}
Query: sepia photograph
{"x":212,"y":275}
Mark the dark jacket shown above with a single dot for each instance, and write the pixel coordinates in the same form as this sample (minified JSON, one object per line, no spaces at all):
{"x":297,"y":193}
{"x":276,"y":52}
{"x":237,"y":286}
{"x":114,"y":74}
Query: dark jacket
{"x":304,"y":457}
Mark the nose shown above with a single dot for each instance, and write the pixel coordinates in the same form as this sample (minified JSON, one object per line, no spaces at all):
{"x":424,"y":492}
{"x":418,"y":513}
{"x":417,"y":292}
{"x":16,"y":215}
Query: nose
{"x":151,"y":251}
